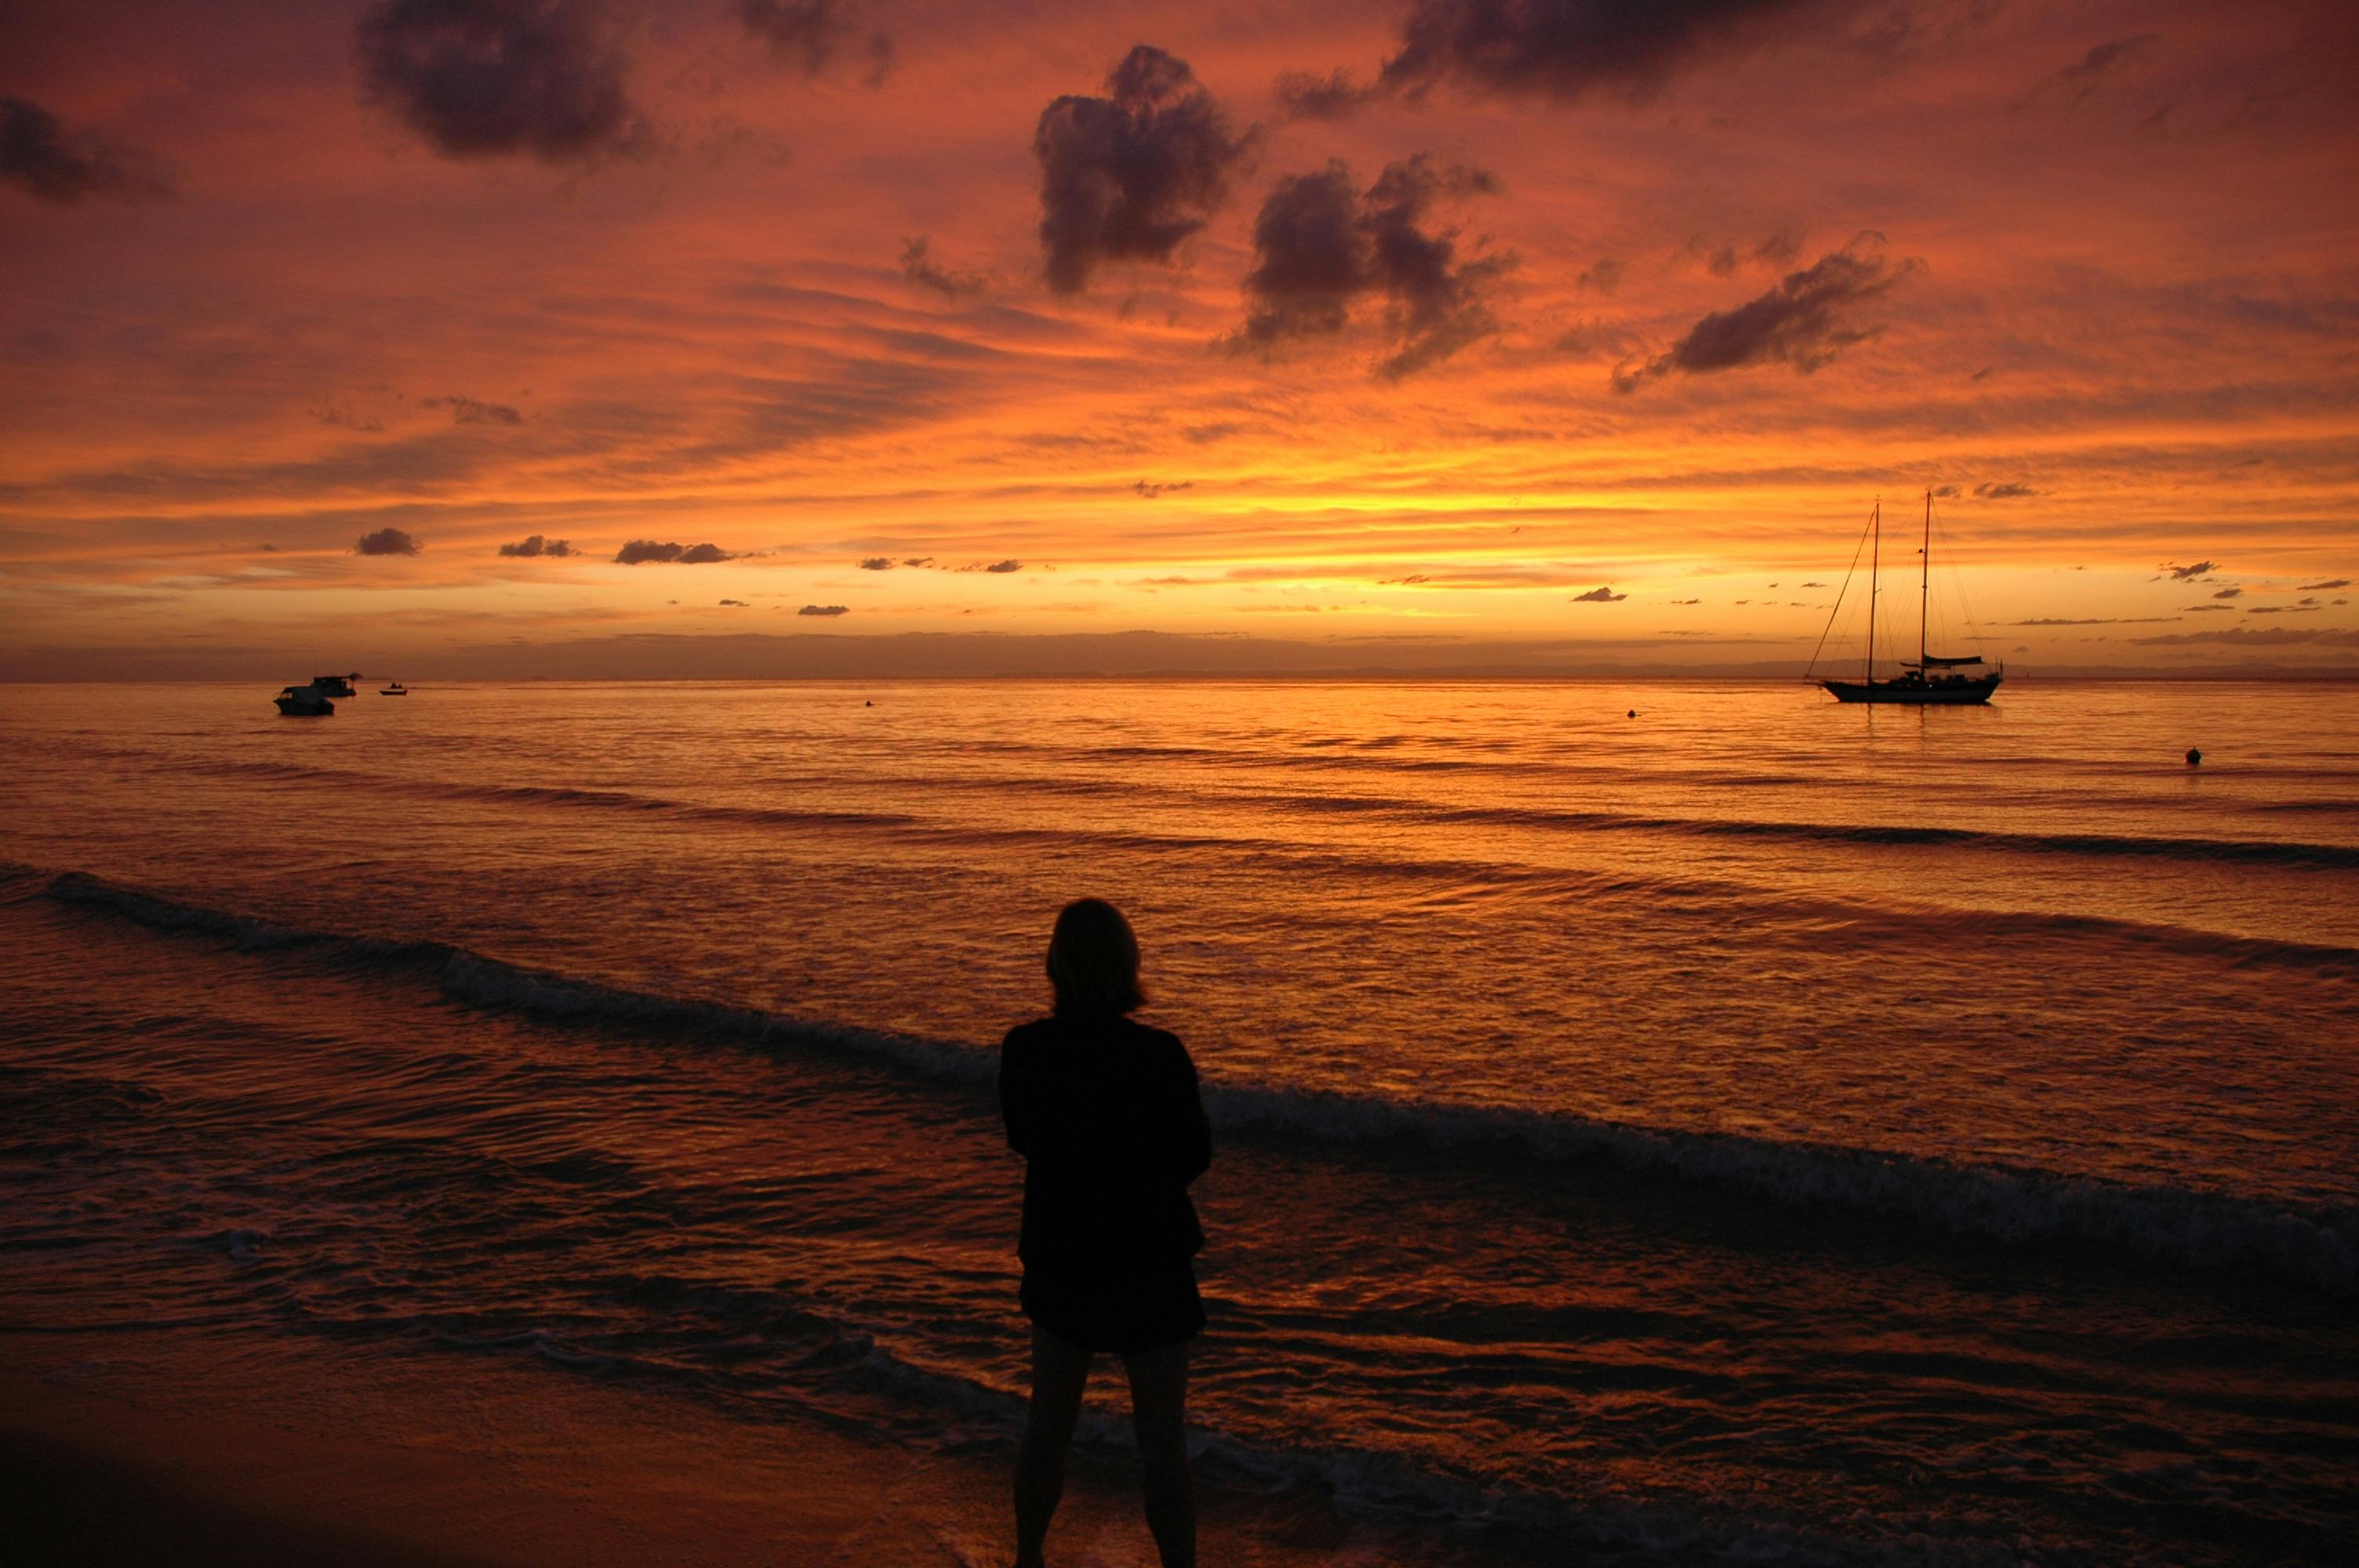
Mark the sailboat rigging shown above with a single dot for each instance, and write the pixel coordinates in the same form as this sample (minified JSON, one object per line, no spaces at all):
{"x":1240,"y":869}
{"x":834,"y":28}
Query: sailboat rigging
{"x":1918,"y":684}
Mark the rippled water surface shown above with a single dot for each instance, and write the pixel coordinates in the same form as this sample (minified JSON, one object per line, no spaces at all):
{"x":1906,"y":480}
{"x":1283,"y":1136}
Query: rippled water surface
{"x":1751,"y":1126}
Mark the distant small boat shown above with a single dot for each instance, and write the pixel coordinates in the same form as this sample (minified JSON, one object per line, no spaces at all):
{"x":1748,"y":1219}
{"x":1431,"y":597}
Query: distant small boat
{"x":1918,"y":684}
{"x":336,"y":685}
{"x":304,"y":702}
{"x":396,"y":689}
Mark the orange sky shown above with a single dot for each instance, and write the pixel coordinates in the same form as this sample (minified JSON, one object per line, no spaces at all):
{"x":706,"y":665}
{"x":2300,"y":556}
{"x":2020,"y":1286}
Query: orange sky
{"x":1660,"y":309}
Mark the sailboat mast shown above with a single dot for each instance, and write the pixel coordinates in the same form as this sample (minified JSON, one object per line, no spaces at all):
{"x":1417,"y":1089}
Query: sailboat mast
{"x":1874,"y":555}
{"x":1924,"y":585}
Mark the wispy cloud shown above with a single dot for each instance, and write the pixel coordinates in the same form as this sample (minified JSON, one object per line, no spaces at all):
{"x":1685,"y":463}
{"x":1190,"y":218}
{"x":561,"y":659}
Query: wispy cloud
{"x":40,"y":155}
{"x":475,"y":411}
{"x":1805,"y":321}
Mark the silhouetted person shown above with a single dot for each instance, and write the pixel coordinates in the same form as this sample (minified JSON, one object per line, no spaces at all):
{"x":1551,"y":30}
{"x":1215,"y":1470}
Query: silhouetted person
{"x":1106,"y":1113}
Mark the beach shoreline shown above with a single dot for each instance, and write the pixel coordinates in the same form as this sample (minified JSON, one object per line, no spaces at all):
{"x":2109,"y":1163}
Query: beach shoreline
{"x":252,"y":1450}
{"x":495,"y":1466}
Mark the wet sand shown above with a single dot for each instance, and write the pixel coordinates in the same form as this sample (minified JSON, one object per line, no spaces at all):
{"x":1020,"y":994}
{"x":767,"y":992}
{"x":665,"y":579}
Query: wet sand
{"x":256,"y":1453}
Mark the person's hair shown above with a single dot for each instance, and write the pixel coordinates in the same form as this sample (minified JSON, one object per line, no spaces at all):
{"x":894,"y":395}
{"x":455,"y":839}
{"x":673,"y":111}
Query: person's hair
{"x":1094,"y":959}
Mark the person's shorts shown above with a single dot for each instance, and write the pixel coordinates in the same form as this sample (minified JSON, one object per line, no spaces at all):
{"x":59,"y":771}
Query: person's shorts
{"x":1143,"y":1309}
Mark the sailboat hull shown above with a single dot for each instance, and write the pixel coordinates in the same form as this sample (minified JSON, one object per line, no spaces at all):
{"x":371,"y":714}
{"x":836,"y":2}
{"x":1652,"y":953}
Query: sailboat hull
{"x":1916,"y":693}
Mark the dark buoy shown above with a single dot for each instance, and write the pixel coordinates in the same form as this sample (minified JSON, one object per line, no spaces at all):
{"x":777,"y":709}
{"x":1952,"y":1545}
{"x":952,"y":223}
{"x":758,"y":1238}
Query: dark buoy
{"x":1634,"y":713}
{"x":2194,"y":756}
{"x":870,"y":703}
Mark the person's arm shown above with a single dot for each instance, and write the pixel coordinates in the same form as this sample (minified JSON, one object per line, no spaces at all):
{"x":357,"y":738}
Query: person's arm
{"x":1018,"y":1100}
{"x":1192,"y":1143}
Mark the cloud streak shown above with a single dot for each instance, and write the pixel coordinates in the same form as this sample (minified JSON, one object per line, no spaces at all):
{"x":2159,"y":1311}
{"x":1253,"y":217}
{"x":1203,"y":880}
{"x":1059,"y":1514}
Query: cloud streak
{"x":1805,"y":321}
{"x":473,"y":411}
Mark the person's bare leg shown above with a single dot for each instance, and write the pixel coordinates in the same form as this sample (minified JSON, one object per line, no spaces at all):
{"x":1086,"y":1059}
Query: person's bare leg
{"x":1159,"y":1408}
{"x":1060,"y":1373}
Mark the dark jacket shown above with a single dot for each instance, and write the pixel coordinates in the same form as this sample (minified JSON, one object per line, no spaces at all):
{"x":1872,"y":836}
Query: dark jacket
{"x":1108,"y":1116}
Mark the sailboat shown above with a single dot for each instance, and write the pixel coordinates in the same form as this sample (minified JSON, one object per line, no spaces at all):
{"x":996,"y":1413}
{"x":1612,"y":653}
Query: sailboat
{"x":1931,"y":679}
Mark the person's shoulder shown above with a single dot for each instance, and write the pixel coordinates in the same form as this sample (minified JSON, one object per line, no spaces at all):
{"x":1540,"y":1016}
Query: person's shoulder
{"x":1160,"y":1040}
{"x":1029,"y":1037}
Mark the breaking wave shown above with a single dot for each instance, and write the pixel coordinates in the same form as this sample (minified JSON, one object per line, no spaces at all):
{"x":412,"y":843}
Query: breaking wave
{"x":2159,"y":1223}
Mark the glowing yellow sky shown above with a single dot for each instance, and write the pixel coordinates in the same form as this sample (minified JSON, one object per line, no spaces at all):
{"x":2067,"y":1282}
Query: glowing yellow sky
{"x":2103,"y":294}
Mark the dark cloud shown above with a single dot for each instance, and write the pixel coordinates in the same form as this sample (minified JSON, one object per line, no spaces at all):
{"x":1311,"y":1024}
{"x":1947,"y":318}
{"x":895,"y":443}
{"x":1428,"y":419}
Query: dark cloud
{"x":918,"y":560}
{"x":876,"y":563}
{"x":2184,"y":574}
{"x":812,"y":35}
{"x":1566,"y":48}
{"x":1802,"y":321}
{"x":1605,"y":276}
{"x":2229,"y":593}
{"x":491,"y":77}
{"x":39,"y":155}
{"x":1947,"y":493}
{"x":1310,"y":257}
{"x":1129,"y":175}
{"x":2223,"y":609}
{"x":473,"y":411}
{"x":640,"y":550}
{"x":1151,"y":490}
{"x":1687,"y":602}
{"x":1599,"y":596}
{"x":1306,"y":95}
{"x":387,"y":542}
{"x":824,"y":610}
{"x":920,"y":269}
{"x":2008,"y":492}
{"x":2329,"y":586}
{"x":1005,"y":567}
{"x":534,"y":545}
{"x":2105,"y":620}
{"x":1318,"y":247}
{"x":735,"y":604}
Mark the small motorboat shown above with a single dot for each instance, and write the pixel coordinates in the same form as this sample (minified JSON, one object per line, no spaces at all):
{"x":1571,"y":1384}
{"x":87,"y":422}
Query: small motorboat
{"x":394,"y":689}
{"x":336,"y":685}
{"x":304,"y":702}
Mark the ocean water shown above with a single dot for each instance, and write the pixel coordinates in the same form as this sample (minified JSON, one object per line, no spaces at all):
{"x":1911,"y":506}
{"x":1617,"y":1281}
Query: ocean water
{"x":1754,"y":1130}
